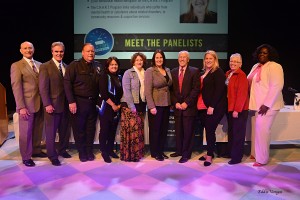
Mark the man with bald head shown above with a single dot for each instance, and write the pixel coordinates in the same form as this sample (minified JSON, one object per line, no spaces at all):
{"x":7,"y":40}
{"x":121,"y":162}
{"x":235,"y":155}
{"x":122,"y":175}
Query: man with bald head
{"x":24,"y":82}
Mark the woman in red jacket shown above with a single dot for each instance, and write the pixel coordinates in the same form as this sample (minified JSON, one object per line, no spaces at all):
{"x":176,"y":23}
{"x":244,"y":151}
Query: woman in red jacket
{"x":238,"y":103}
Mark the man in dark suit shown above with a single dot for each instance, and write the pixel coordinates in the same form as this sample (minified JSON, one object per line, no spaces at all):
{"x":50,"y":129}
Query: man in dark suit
{"x":184,"y":95}
{"x":51,"y":85}
{"x":24,"y":82}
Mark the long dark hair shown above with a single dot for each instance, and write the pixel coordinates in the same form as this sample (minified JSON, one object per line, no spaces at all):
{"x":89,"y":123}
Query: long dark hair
{"x":108,"y":61}
{"x":162,"y":54}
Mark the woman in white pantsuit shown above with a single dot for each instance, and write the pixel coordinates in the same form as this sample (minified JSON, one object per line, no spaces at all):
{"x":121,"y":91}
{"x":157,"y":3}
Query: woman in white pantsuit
{"x":266,"y":81}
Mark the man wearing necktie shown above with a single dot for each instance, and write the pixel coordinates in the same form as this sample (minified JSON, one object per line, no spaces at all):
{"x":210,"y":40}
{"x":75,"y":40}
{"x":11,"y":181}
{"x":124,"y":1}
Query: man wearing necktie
{"x":184,"y":95}
{"x":24,"y":82}
{"x":51,"y":84}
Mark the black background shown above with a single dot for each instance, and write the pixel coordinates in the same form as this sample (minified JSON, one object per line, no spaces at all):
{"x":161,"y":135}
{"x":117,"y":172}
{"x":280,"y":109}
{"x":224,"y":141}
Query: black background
{"x":251,"y":23}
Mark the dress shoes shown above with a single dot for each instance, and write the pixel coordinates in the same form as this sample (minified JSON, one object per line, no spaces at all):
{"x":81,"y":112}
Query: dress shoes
{"x":203,"y":158}
{"x":83,"y":157}
{"x":55,"y":162}
{"x":91,"y":157}
{"x":113,"y":155}
{"x":252,"y":157}
{"x":159,"y":158}
{"x":183,"y":160}
{"x":29,"y":163}
{"x":65,"y":154}
{"x":233,"y":162}
{"x":206,"y":163}
{"x":175,"y":154}
{"x":106,"y":158}
{"x":165,"y":156}
{"x":39,"y":155}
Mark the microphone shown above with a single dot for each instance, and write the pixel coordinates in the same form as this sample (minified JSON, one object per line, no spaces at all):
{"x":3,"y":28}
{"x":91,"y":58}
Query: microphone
{"x":292,"y":90}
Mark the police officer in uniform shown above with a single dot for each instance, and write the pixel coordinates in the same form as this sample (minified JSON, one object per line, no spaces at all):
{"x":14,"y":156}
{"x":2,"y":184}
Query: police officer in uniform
{"x":81,"y":88}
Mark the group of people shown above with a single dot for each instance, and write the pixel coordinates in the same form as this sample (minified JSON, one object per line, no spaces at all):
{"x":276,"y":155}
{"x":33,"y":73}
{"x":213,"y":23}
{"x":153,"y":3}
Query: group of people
{"x":54,"y":96}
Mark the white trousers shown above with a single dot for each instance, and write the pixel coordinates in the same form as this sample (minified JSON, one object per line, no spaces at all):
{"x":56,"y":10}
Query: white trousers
{"x":262,"y":135}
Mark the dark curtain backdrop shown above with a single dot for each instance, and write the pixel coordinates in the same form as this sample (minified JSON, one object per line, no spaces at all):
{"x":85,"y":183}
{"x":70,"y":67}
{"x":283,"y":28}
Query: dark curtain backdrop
{"x":251,"y":23}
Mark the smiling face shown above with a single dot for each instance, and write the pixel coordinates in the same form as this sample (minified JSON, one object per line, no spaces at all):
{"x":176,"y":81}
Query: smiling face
{"x":113,"y":67}
{"x":199,"y":8}
{"x":209,"y":61}
{"x":263,"y":55}
{"x":159,"y":60}
{"x":183,"y":59}
{"x":58,"y":52}
{"x":139,"y":62}
{"x":27,"y":50}
{"x":235,"y":62}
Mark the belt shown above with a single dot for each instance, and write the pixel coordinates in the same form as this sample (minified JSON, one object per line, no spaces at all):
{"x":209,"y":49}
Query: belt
{"x":89,"y":98}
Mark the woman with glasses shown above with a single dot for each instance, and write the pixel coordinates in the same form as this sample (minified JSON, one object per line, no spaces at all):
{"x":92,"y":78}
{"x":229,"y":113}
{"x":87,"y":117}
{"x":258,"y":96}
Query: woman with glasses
{"x":238,"y":102}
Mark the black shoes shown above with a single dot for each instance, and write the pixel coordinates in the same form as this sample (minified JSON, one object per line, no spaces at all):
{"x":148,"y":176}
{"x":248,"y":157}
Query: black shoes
{"x":106,"y":158}
{"x":206,"y":163}
{"x":83,"y":157}
{"x":113,"y":155}
{"x":159,"y":158}
{"x":65,"y":154}
{"x":91,"y":157}
{"x":203,"y":158}
{"x":175,"y":154}
{"x":39,"y":155}
{"x":55,"y":162}
{"x":183,"y":160}
{"x":165,"y":156}
{"x":29,"y":163}
{"x":233,"y":162}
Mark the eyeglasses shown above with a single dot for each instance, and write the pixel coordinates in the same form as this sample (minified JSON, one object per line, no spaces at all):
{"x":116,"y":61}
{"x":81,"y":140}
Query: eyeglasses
{"x":234,"y":62}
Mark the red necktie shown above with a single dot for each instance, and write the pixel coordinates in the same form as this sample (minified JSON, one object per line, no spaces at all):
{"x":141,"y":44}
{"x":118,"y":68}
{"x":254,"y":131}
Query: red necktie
{"x":180,"y":78}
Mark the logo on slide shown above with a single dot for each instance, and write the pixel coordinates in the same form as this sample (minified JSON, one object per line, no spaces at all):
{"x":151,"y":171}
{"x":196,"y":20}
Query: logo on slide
{"x":102,"y":40}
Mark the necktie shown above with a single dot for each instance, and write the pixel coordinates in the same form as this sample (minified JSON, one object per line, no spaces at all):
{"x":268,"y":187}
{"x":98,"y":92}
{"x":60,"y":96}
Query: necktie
{"x":60,"y":69}
{"x":34,"y":67}
{"x":180,"y":79}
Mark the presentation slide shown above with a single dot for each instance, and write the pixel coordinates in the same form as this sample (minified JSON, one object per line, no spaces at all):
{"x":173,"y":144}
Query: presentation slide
{"x":122,"y":27}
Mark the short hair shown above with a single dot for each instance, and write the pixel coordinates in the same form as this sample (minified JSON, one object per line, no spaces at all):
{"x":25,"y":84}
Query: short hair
{"x":58,"y":43}
{"x":134,"y":56}
{"x":273,"y":54}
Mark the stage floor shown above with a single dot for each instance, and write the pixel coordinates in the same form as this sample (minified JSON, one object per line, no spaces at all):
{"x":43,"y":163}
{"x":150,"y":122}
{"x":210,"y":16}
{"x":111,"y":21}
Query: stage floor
{"x":149,"y":179}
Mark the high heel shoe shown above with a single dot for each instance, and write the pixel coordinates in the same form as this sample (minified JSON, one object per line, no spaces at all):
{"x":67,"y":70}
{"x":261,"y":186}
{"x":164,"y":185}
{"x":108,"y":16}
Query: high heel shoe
{"x":206,"y":162}
{"x":203,"y":158}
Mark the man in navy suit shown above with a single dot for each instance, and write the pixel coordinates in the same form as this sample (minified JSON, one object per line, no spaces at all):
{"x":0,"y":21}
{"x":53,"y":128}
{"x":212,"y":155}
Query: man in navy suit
{"x":184,"y":98}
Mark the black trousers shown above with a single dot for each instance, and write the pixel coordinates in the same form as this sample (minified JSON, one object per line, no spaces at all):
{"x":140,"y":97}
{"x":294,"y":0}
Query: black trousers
{"x":107,"y":134}
{"x":236,"y":135}
{"x":84,"y":124}
{"x":158,"y":130}
{"x":184,"y":130}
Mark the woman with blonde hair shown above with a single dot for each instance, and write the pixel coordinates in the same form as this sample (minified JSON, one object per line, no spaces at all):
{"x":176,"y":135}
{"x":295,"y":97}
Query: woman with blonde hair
{"x":211,"y":101}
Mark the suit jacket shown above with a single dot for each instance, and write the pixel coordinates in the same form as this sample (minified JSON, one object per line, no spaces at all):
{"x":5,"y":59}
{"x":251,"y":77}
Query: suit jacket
{"x":25,"y":87}
{"x":190,"y":90}
{"x":268,"y":90}
{"x":51,"y":85}
{"x":214,"y":90}
{"x":157,"y":90}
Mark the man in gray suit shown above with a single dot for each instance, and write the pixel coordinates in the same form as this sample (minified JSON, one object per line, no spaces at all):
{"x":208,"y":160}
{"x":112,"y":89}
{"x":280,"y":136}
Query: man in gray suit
{"x":24,"y":82}
{"x":56,"y":116}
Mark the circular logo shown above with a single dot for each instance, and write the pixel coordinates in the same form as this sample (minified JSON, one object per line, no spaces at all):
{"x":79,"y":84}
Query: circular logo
{"x":102,"y":40}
